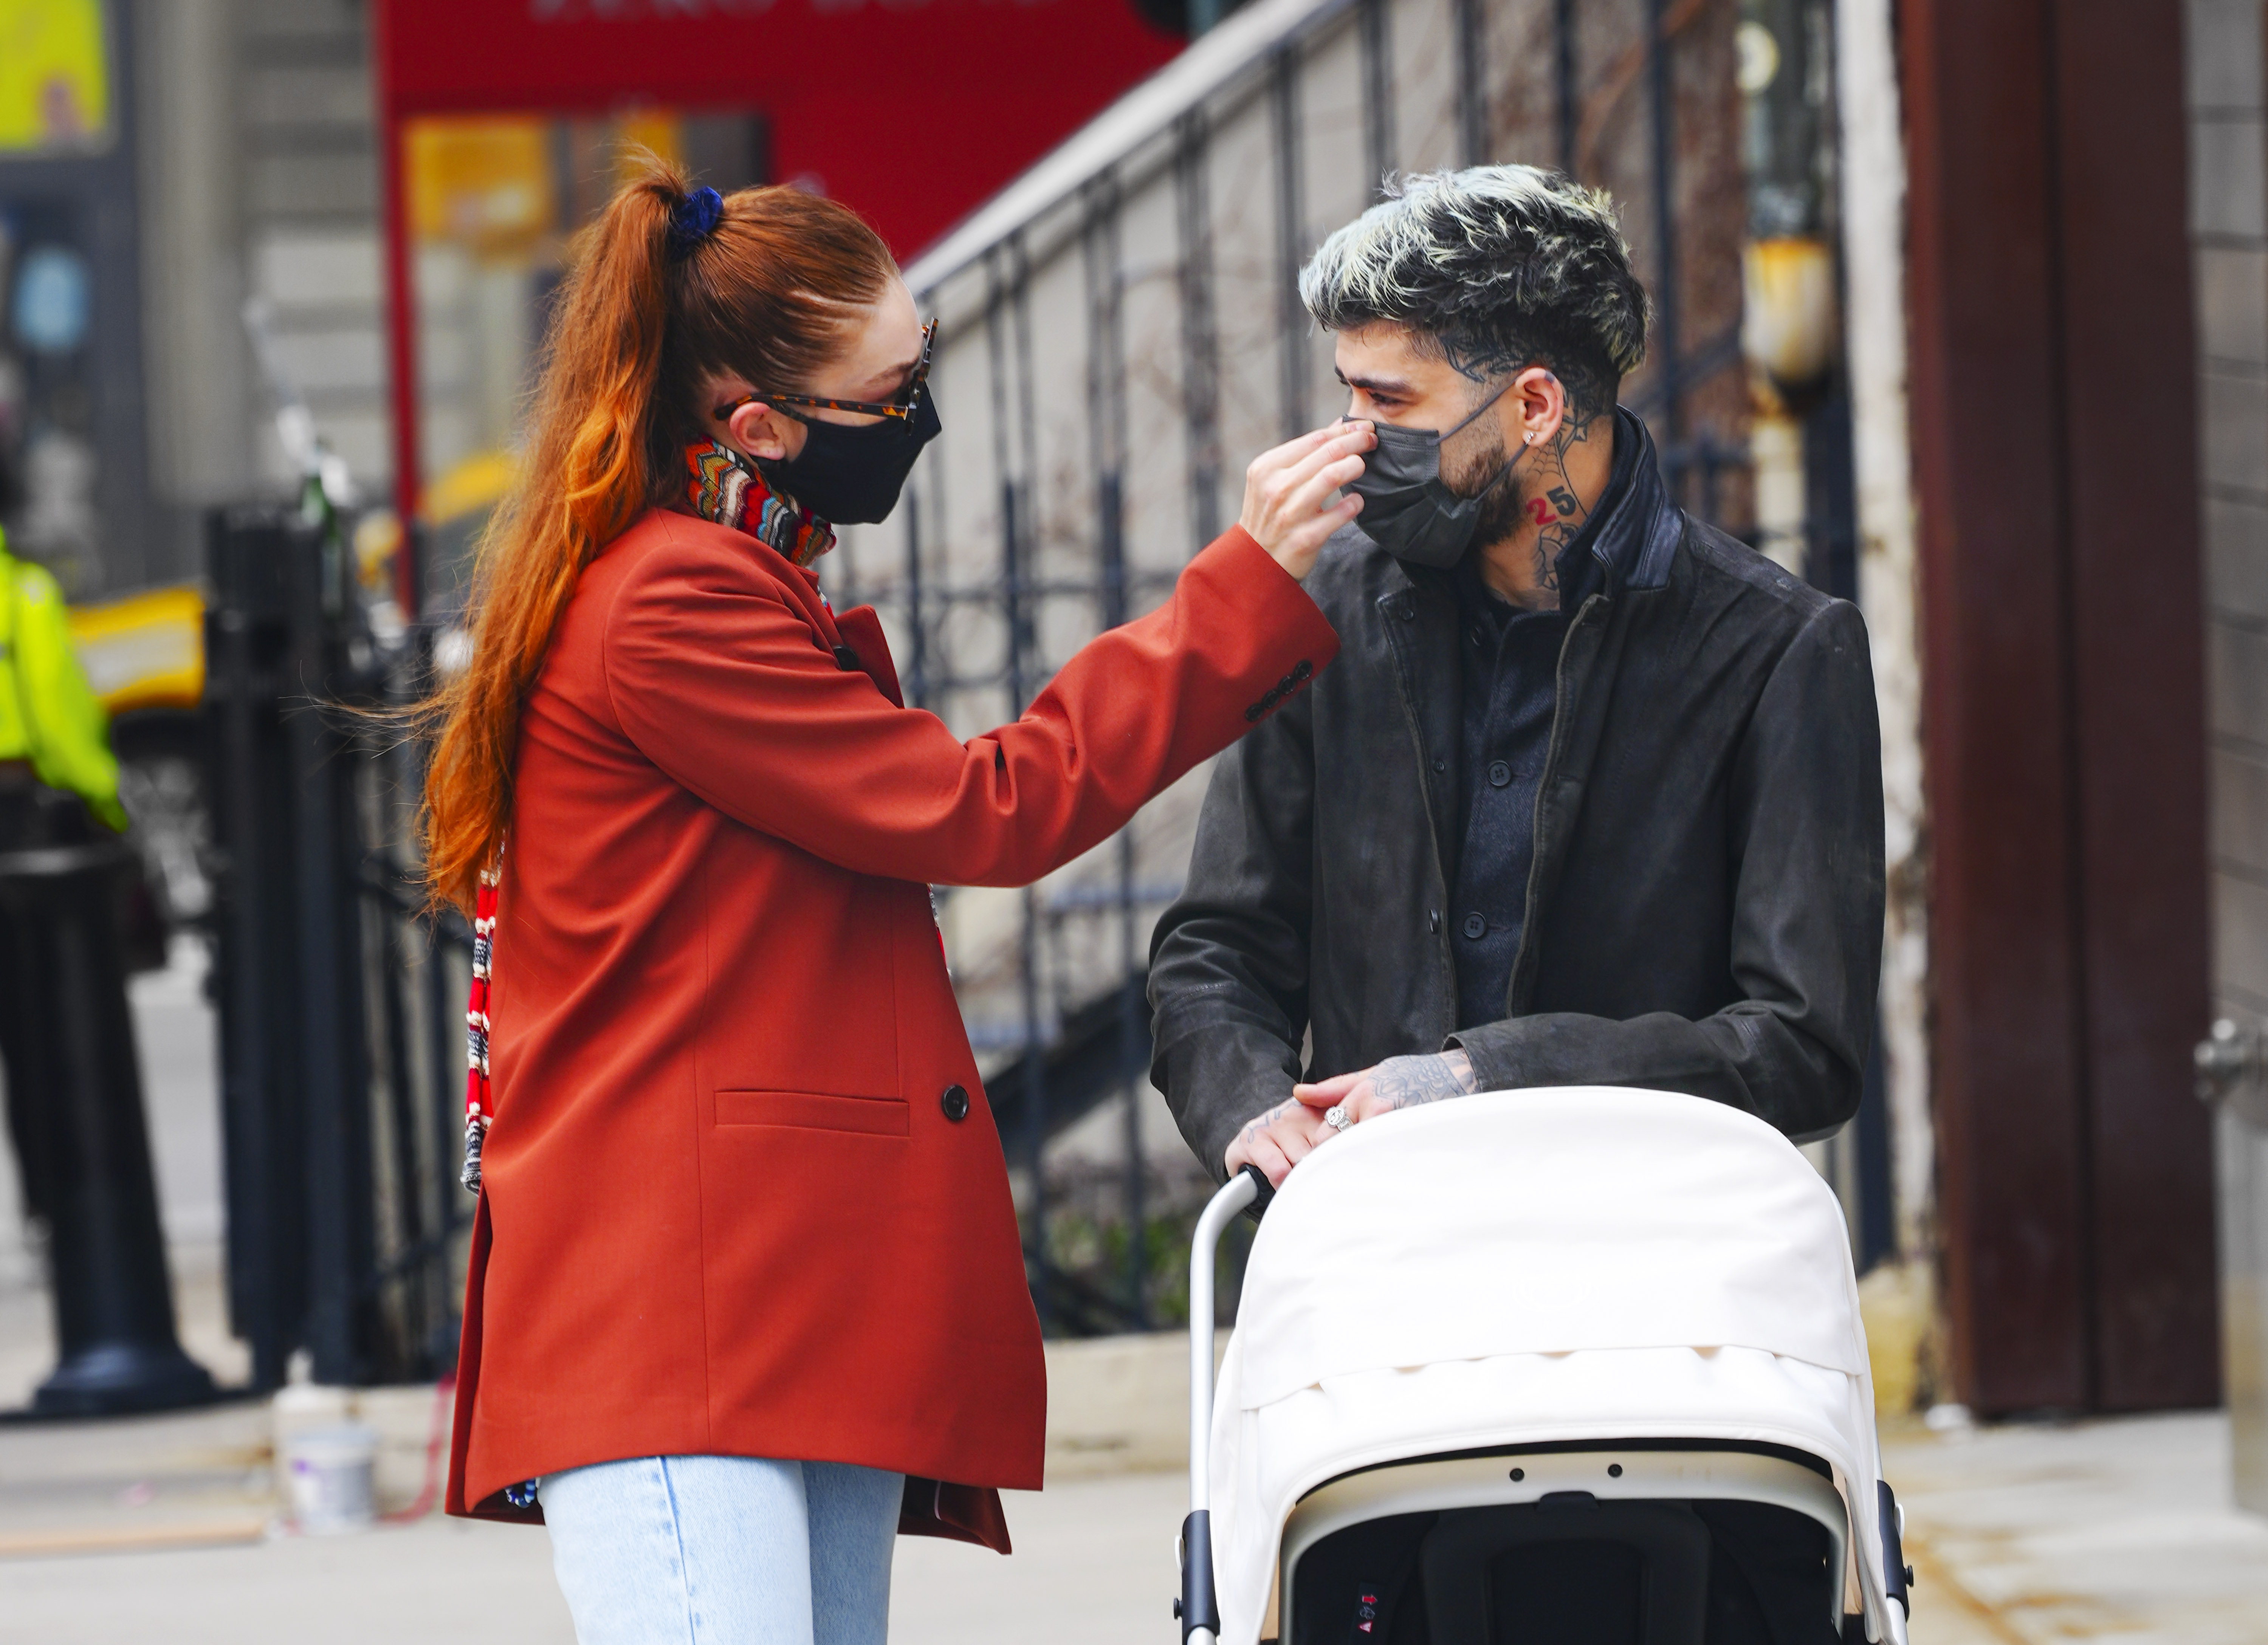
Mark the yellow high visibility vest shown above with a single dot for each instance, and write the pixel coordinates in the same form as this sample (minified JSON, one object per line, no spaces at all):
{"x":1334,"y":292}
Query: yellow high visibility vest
{"x":48,"y":714}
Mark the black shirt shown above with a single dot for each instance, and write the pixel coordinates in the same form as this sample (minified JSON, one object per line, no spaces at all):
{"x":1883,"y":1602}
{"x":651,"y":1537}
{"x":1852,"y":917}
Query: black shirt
{"x":1510,"y":665}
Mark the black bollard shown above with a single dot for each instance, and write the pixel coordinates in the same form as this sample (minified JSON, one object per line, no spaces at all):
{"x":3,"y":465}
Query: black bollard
{"x":75,"y":1098}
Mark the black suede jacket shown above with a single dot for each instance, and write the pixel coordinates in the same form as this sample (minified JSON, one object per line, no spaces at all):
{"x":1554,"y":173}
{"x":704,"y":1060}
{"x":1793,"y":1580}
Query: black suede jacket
{"x":1705,"y":913}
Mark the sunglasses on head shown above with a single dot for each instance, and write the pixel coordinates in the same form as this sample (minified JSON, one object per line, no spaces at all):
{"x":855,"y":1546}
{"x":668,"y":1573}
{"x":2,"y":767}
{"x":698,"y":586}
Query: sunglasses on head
{"x":903,"y":408}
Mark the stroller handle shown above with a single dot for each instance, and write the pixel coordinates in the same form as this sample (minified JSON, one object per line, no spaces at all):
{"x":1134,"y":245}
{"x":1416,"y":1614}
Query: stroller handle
{"x":1198,"y":1608}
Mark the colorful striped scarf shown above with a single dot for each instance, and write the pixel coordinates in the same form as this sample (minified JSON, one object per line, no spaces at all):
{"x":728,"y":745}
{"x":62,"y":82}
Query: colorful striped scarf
{"x":480,"y":1109}
{"x":724,"y":486}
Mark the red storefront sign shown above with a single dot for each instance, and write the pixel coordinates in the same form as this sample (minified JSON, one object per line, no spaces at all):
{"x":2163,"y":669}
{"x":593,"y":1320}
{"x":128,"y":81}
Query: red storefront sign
{"x":913,"y":112}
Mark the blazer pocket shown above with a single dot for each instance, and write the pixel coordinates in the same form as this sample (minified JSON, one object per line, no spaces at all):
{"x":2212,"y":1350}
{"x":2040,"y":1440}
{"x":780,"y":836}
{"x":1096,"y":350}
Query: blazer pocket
{"x":809,"y":1111}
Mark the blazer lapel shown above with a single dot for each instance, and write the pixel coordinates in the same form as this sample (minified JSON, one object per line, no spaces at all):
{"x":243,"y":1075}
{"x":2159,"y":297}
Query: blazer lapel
{"x":862,"y":630}
{"x":855,"y":636}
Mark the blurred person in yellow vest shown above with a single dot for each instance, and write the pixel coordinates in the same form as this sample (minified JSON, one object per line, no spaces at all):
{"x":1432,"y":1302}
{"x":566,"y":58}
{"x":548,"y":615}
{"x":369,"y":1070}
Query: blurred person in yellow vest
{"x":53,"y":732}
{"x":75,"y":1118}
{"x":58,"y":776}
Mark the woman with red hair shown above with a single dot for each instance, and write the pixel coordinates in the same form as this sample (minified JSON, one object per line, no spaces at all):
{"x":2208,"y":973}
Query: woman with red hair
{"x":745,"y":1295}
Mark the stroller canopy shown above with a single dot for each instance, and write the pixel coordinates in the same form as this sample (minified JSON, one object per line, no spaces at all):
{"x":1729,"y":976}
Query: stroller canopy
{"x":1586,"y":1263}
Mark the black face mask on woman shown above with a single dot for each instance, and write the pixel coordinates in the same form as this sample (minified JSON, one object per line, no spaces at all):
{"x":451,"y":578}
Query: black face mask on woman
{"x":851,"y":474}
{"x":1407,"y":508}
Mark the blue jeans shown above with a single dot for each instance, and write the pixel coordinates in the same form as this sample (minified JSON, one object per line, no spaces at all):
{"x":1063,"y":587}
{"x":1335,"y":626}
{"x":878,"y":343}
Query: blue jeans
{"x":724,"y":1551}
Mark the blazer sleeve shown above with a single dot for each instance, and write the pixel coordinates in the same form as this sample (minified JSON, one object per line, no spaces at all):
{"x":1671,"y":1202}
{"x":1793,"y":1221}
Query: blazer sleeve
{"x":1806,"y":799}
{"x":716,"y":678}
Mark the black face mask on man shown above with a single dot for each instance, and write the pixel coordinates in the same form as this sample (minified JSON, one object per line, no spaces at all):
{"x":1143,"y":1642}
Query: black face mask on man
{"x":1408,"y":508}
{"x":851,"y":474}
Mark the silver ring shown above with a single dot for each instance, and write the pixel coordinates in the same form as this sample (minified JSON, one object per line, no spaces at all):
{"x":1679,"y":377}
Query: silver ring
{"x":1336,"y":1117}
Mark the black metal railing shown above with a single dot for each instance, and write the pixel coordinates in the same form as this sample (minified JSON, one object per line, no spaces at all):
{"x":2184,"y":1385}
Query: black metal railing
{"x":341,"y":1003}
{"x":962,"y":588}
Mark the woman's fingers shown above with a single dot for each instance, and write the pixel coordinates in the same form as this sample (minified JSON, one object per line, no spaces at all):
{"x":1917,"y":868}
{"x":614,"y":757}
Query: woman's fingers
{"x":1297,"y":547}
{"x":1313,"y":493}
{"x":1309,"y":448}
{"x":1288,"y":504}
{"x":1302,"y":462}
{"x":1300,"y":493}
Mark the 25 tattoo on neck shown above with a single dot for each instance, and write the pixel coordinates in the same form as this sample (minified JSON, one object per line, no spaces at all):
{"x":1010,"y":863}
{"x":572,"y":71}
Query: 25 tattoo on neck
{"x":1406,"y":1081}
{"x":1556,"y":509}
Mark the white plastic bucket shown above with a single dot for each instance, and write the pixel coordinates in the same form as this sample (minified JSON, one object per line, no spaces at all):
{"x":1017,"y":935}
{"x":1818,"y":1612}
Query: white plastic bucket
{"x":329,"y":1470}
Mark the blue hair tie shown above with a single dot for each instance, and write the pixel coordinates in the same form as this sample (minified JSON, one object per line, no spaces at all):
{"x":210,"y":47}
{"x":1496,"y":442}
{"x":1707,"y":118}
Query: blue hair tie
{"x":693,"y":220}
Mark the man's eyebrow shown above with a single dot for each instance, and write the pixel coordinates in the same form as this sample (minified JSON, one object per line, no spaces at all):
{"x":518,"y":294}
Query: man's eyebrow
{"x":1398,"y":386}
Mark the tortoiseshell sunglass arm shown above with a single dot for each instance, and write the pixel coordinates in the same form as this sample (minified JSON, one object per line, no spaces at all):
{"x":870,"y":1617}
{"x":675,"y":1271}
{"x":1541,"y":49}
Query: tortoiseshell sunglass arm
{"x":900,"y":408}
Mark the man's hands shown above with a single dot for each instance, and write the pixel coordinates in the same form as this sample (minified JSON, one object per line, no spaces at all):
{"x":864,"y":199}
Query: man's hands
{"x":1289,"y":507}
{"x":1288,"y":1132}
{"x":1397,"y":1082}
{"x":1277,"y":1141}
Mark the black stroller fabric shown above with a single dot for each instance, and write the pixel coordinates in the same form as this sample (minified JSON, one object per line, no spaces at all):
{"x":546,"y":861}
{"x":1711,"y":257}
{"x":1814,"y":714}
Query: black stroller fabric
{"x":1714,"y":1573}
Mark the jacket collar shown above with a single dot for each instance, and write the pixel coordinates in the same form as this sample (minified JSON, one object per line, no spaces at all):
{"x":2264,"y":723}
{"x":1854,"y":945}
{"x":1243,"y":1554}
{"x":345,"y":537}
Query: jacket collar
{"x":1636,"y":540}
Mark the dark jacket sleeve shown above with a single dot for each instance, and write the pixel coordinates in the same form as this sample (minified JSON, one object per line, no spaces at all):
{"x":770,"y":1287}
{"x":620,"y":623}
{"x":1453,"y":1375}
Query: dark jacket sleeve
{"x":1806,"y":797}
{"x":1228,"y":962}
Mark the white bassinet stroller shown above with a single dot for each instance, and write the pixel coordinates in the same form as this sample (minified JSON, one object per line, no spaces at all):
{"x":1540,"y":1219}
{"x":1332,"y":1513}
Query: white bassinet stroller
{"x":1569,"y":1366}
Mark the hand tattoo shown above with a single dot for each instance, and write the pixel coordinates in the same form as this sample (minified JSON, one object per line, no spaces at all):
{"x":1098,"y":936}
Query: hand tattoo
{"x":1261,"y":1122}
{"x":1406,"y":1081}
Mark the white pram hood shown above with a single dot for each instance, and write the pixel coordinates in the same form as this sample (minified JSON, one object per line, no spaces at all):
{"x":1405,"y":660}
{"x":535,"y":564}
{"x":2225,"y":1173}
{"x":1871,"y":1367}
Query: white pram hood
{"x":1588,"y":1262}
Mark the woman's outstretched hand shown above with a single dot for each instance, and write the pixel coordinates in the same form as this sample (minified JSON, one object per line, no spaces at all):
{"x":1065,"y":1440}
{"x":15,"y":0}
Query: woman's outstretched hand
{"x":1290,"y":504}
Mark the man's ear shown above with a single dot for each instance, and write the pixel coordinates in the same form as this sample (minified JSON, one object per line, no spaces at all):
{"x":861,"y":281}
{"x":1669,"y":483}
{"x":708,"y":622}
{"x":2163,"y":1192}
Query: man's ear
{"x":1539,"y":404}
{"x":760,"y":431}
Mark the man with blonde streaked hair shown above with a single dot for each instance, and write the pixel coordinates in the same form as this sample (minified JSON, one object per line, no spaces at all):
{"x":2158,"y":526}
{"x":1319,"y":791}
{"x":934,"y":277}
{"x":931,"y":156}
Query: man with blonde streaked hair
{"x":1594,"y":795}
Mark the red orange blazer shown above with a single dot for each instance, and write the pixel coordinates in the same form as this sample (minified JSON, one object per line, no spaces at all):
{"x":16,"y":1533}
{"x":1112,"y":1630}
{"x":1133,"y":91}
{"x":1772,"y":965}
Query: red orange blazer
{"x":731,"y":1203}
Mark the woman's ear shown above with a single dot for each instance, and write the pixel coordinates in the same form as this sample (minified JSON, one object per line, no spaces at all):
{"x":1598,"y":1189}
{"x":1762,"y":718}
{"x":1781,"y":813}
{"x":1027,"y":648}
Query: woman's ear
{"x":760,"y":431}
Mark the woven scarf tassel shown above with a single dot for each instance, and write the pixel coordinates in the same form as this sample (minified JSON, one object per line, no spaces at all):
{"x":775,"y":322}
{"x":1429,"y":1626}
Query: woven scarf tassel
{"x":477,"y":1132}
{"x":475,"y":1135}
{"x":479,"y":1111}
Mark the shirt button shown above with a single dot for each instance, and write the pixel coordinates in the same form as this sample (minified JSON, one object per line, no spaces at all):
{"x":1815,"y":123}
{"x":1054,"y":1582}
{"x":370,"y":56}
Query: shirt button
{"x":1432,"y":919}
{"x":1476,"y":926}
{"x":1499,"y":773}
{"x":1440,"y":766}
{"x":1480,"y":635}
{"x":954,"y":1102}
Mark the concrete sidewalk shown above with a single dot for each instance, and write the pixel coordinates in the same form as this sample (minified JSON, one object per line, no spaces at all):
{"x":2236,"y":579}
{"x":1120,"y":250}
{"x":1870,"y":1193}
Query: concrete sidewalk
{"x":2021,"y":1536}
{"x":1095,"y":1558}
{"x":2113,"y":1530}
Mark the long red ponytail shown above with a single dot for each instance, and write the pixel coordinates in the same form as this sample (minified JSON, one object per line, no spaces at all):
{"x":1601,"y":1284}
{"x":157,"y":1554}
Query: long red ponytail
{"x":636,"y":332}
